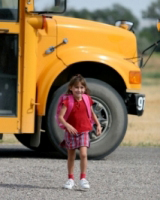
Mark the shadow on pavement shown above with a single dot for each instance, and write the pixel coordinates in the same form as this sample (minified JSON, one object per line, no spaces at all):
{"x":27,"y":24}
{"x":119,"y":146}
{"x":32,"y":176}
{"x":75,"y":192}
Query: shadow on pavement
{"x":18,"y":151}
{"x":15,"y":186}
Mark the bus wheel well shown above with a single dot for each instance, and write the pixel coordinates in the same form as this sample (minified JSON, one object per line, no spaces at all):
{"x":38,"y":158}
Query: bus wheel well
{"x":90,"y":70}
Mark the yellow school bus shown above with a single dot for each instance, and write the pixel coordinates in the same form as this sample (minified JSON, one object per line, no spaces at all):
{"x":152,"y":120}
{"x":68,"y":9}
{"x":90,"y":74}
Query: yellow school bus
{"x":40,"y":51}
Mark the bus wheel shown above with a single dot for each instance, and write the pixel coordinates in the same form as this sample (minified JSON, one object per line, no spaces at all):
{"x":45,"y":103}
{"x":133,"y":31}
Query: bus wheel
{"x":111,"y":112}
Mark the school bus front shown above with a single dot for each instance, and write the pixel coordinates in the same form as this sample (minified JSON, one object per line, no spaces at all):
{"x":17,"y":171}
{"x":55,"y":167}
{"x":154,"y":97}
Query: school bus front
{"x":39,"y":54}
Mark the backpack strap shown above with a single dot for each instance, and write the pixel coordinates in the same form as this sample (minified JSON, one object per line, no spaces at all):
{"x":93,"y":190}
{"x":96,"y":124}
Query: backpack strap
{"x":70,"y":106}
{"x":86,"y":100}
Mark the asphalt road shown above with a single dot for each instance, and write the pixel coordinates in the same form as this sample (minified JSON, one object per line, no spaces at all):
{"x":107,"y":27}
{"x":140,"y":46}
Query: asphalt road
{"x":128,"y":173}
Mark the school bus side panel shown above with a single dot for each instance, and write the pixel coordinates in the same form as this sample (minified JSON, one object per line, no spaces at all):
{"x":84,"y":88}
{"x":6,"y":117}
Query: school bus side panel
{"x":87,"y":53}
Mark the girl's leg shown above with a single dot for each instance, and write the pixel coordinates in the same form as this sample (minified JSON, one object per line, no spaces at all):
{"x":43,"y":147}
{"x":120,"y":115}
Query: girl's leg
{"x":83,"y":162}
{"x":71,"y":158}
{"x":83,"y":165}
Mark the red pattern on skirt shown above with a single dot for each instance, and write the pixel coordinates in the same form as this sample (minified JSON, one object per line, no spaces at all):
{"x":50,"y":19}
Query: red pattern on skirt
{"x":75,"y":141}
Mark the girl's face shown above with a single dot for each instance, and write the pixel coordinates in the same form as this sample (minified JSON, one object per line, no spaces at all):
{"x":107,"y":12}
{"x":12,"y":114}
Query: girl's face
{"x":78,"y":90}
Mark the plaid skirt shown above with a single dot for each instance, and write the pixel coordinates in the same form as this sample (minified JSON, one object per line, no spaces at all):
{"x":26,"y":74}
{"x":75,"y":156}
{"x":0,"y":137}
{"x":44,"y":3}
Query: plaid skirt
{"x":75,"y":141}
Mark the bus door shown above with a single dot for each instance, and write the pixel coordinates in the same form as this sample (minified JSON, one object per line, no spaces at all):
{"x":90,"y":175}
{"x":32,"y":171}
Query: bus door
{"x":9,"y":67}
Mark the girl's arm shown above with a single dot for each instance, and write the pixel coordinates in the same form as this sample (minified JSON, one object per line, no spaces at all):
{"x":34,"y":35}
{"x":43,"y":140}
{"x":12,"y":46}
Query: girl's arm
{"x":69,"y":127}
{"x":96,"y":121}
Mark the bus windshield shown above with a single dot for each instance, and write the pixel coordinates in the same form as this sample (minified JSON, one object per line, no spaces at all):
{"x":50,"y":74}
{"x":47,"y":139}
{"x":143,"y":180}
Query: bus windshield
{"x":9,"y":10}
{"x":51,"y":8}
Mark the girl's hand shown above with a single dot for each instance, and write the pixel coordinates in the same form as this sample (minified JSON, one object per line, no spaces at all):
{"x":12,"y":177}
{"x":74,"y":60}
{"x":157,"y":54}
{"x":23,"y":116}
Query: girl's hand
{"x":99,"y":129}
{"x":71,"y":129}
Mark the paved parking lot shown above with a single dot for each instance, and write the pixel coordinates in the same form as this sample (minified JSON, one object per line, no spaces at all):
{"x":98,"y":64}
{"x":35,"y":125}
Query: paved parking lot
{"x":128,"y":173}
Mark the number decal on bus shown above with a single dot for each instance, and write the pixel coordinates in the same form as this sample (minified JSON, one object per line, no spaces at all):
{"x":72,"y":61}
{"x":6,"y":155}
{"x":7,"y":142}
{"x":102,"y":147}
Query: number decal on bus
{"x":141,"y":103}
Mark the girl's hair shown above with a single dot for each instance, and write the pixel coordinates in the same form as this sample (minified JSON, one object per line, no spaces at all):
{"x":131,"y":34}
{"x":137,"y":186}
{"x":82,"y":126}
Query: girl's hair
{"x":74,"y":81}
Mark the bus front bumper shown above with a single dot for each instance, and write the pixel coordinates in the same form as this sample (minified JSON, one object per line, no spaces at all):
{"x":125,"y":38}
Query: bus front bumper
{"x":135,"y":103}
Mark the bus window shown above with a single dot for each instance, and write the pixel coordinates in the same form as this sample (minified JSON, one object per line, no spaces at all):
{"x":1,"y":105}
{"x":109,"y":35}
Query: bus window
{"x":8,"y":74}
{"x":9,"y":10}
{"x":58,"y":6}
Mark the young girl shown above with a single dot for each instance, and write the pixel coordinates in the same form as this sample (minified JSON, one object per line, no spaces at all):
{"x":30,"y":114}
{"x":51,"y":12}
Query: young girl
{"x":77,"y":128}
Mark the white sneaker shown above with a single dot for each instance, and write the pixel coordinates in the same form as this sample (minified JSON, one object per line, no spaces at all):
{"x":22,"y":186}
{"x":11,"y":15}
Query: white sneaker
{"x":84,"y":184}
{"x":69,"y":184}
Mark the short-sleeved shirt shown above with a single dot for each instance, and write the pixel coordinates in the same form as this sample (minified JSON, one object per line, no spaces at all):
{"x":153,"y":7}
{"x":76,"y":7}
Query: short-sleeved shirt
{"x":78,"y":117}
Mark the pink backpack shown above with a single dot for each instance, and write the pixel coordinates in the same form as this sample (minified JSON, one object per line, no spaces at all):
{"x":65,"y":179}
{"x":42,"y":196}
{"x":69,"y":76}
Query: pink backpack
{"x":71,"y":104}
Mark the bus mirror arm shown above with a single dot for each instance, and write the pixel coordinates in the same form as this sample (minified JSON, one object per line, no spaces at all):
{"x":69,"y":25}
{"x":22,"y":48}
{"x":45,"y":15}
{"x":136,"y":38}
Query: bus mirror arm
{"x":155,"y":45}
{"x":52,"y":48}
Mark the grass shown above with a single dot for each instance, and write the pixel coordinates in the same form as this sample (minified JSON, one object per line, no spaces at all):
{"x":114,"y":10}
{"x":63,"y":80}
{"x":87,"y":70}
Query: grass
{"x":150,"y":82}
{"x":144,"y":131}
{"x":140,"y":144}
{"x":9,"y":139}
{"x":151,"y":72}
{"x":151,"y":75}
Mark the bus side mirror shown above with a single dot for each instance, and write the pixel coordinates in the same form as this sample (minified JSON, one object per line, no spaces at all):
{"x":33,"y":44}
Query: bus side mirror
{"x":124,"y":24}
{"x":57,"y":2}
{"x":158,"y":25}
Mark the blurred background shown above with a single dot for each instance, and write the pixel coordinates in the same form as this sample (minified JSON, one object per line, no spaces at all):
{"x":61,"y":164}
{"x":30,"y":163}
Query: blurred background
{"x":145,"y":130}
